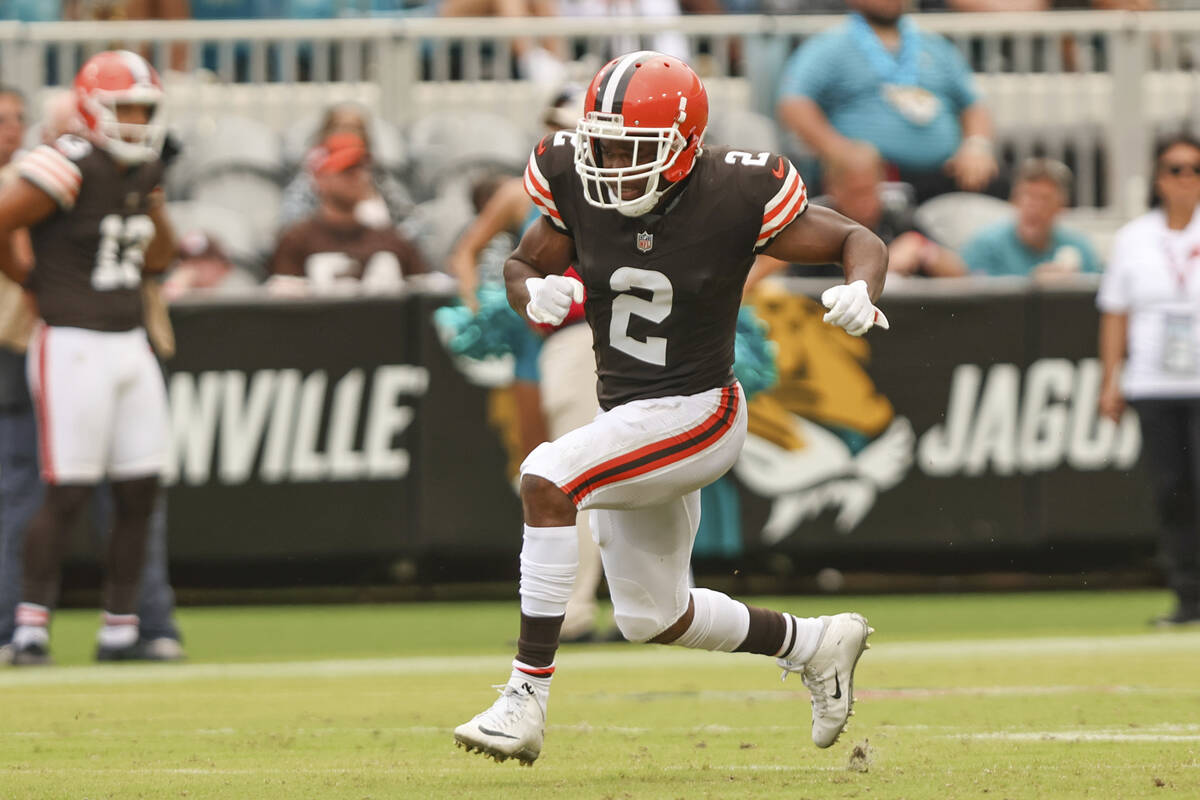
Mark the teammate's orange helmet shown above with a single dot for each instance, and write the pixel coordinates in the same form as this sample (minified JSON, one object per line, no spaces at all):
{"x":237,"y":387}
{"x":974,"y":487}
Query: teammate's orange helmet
{"x":120,"y":77}
{"x":650,"y":100}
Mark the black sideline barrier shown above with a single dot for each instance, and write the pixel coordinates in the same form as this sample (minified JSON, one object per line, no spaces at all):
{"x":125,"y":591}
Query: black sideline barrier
{"x":342,"y":429}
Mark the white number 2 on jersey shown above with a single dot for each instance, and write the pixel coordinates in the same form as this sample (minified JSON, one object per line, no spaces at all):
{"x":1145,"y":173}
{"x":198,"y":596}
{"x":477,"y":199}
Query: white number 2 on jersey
{"x":734,"y":156}
{"x":122,"y":252}
{"x":652,"y":350}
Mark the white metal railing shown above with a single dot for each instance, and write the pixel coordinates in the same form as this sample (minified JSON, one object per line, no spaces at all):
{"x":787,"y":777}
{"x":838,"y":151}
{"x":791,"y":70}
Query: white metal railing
{"x":1093,"y":88}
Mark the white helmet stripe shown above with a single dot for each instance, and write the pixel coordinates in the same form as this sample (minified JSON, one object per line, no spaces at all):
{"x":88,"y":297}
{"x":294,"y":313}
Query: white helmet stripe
{"x":137,"y":65}
{"x":614,"y":79}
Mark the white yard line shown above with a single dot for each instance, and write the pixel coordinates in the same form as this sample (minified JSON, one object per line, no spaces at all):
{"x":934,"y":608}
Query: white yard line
{"x":631,"y":657}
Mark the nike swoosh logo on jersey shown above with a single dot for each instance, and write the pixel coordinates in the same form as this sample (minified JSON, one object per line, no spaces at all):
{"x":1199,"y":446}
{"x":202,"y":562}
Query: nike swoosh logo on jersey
{"x":491,"y":732}
{"x":779,"y":171}
{"x":541,"y":148}
{"x":837,"y":689}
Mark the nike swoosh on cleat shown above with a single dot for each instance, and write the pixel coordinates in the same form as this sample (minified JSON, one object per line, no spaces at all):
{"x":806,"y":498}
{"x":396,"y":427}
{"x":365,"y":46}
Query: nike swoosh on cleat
{"x":837,"y":686}
{"x":779,"y":170}
{"x":491,"y":732}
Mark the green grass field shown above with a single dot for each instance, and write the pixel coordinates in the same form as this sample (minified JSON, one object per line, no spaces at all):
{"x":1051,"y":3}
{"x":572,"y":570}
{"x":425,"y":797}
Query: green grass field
{"x":1057,"y":695}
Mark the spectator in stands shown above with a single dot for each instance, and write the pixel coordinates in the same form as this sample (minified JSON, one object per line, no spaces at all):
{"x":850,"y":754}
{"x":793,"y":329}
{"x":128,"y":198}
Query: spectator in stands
{"x":855,"y":186}
{"x":1033,"y":243}
{"x":334,"y":251}
{"x":387,"y":202}
{"x":1150,"y":351}
{"x":104,"y":10}
{"x":880,"y":79}
{"x":204,"y":267}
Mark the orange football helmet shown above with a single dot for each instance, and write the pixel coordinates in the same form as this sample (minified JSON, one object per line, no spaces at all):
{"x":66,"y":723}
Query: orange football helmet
{"x":115,"y":78}
{"x":655,"y":103}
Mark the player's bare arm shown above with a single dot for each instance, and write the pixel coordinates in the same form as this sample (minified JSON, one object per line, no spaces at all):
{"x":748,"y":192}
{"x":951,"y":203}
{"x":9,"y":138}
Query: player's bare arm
{"x":21,"y":205}
{"x":161,"y":249}
{"x":542,"y":251}
{"x":823,"y":236}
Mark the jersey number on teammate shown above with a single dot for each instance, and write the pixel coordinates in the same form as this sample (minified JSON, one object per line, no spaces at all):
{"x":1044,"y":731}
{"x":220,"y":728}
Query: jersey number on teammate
{"x":121,"y":252}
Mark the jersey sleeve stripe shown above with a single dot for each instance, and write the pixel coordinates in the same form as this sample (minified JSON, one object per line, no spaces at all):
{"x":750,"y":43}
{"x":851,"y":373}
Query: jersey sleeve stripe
{"x":53,"y":173}
{"x":783,"y":197}
{"x":538,"y":189}
{"x":544,"y":203}
{"x":533,"y":174}
{"x":792,"y":210}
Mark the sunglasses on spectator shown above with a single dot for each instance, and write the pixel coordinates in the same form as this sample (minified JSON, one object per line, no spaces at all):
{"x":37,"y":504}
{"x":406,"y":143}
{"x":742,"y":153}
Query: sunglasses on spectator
{"x":1181,"y":169}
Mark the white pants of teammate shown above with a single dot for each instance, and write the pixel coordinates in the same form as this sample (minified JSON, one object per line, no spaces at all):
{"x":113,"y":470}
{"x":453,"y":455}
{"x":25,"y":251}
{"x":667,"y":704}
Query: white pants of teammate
{"x":568,"y":390}
{"x":639,"y":468}
{"x":101,"y":405}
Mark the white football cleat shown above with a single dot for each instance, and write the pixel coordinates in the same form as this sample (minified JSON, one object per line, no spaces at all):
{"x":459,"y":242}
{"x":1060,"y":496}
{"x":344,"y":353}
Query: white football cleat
{"x":512,"y":728}
{"x":829,"y":674}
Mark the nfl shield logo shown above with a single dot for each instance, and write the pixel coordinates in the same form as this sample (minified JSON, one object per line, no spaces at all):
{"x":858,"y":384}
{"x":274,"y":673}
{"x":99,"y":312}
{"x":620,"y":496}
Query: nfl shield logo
{"x":645,"y":241}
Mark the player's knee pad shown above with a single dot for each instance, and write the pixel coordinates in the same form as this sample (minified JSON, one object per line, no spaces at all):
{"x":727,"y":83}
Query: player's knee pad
{"x":718,"y":622}
{"x":637,"y":613}
{"x":549,"y":560}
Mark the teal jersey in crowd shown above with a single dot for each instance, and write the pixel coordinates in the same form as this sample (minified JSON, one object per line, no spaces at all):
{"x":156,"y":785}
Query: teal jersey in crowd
{"x":906,"y":104}
{"x":997,"y":251}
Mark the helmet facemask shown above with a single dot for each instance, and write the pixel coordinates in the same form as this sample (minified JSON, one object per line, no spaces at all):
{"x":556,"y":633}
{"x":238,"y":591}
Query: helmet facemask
{"x":127,"y":142}
{"x":655,"y":159}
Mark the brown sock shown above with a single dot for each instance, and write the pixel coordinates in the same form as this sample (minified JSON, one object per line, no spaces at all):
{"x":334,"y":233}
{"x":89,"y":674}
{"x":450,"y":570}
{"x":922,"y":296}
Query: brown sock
{"x":539,"y":640}
{"x":767,"y":634}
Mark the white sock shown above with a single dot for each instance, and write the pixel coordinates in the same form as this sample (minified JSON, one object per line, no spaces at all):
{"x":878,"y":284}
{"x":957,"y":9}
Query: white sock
{"x":549,"y":560}
{"x":536,"y":677}
{"x":718,"y":622}
{"x":119,"y":630}
{"x":803,"y":636}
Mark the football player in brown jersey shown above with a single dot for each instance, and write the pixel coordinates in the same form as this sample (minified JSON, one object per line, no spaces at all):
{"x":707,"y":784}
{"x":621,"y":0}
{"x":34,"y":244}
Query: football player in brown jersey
{"x":93,"y":207}
{"x":663,"y":232}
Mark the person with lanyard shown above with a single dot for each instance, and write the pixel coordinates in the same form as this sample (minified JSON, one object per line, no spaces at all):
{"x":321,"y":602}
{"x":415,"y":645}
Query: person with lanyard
{"x":878,"y":78}
{"x":1149,"y":304}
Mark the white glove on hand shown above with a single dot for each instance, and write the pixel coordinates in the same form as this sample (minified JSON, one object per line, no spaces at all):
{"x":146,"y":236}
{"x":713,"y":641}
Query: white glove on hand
{"x":550,"y":298}
{"x":850,"y":307}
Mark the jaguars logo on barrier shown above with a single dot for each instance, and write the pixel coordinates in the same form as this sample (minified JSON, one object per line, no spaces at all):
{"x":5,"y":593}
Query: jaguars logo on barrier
{"x":823,"y":438}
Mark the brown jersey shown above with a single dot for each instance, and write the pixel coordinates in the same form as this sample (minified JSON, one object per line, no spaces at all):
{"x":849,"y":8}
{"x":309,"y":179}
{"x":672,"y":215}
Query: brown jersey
{"x":663,"y":290}
{"x":330,"y":254}
{"x":88,"y":255}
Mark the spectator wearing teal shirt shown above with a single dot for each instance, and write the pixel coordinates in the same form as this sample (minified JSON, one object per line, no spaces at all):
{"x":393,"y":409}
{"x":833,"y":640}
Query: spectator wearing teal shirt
{"x":1032,"y":243}
{"x":879,"y":79}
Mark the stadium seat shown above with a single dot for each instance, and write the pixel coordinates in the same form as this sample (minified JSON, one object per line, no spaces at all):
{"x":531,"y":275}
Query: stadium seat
{"x":252,"y":197}
{"x":228,"y":226}
{"x":230,"y":143}
{"x":954,"y":218}
{"x":443,"y":144}
{"x":747,"y":130}
{"x":436,"y":224}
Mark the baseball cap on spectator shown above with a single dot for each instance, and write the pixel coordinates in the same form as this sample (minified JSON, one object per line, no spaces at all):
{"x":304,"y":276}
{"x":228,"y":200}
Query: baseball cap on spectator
{"x":337,"y":153}
{"x":198,"y":244}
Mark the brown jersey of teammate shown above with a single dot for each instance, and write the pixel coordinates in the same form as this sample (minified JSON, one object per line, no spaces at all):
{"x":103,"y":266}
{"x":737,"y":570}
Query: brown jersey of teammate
{"x":663,"y":289}
{"x":327,"y":253}
{"x":90,"y":252}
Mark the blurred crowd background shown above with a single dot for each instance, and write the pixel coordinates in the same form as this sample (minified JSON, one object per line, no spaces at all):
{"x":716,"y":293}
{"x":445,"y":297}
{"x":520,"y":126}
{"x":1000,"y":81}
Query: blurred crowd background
{"x":1019,"y":160}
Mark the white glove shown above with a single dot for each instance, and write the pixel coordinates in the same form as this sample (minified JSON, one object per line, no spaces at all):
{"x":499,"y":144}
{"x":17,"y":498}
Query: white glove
{"x":850,"y":307}
{"x":550,"y":298}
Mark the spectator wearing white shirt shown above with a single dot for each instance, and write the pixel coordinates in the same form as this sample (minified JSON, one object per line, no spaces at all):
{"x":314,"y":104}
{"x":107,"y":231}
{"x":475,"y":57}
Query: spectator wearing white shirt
{"x":1150,"y":349}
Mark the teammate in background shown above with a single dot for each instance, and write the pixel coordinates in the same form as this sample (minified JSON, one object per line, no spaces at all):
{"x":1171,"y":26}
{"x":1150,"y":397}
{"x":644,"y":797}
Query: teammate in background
{"x":21,"y":487}
{"x":95,"y":214}
{"x":663,"y":234}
